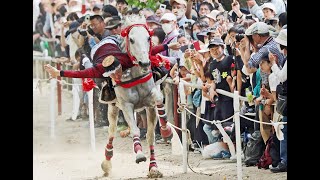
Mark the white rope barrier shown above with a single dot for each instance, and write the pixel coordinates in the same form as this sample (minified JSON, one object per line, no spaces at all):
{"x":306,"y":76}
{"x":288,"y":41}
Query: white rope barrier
{"x":272,"y":123}
{"x":43,"y":58}
{"x":212,"y":121}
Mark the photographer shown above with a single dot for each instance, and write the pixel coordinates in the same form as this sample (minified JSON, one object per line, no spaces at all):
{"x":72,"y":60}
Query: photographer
{"x":257,"y":36}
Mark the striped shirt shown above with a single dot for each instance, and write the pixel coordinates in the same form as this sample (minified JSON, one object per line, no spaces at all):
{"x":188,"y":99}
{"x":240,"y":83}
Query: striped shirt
{"x":269,"y":45}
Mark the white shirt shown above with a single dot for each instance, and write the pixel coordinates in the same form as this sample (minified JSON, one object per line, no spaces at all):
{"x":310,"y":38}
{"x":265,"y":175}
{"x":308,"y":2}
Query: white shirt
{"x":277,"y":76}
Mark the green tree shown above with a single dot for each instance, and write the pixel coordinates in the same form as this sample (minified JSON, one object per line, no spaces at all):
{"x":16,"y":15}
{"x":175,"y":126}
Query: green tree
{"x":152,"y":4}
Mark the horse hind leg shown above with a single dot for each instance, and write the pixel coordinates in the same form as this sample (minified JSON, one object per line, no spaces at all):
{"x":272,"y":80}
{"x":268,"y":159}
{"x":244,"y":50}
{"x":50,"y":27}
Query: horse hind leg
{"x":112,"y":117}
{"x":153,"y":168}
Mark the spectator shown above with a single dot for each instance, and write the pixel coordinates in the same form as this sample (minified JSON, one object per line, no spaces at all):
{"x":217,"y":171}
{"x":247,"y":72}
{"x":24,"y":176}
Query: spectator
{"x":219,"y":69}
{"x":109,"y":11}
{"x":169,"y":25}
{"x":153,"y":22}
{"x":259,"y":37}
{"x":205,"y":8}
{"x":98,"y":27}
{"x":276,"y":77}
{"x":269,"y":13}
{"x":257,"y":11}
{"x":212,"y":17}
{"x":179,"y":8}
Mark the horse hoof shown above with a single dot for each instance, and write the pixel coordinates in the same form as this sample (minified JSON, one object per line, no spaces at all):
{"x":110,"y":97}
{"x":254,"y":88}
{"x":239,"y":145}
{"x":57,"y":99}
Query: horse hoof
{"x":155,"y":173}
{"x":125,"y":133}
{"x":106,"y":167}
{"x":140,"y":158}
{"x":166,"y":133}
{"x":166,"y":139}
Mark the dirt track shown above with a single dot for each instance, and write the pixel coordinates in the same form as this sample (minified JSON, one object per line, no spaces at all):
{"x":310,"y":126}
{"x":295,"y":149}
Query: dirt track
{"x":69,"y":156}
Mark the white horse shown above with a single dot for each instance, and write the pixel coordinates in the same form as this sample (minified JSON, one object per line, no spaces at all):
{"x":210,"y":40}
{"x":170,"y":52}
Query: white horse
{"x":145,"y":95}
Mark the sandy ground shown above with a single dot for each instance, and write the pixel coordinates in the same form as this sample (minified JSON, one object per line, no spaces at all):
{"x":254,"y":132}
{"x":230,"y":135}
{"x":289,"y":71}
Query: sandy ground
{"x":68,"y":156}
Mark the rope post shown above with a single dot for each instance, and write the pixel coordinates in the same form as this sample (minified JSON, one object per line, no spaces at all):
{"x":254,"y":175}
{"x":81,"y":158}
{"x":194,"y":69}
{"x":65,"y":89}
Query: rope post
{"x":53,"y":84}
{"x":59,"y":91}
{"x":183,"y":127}
{"x":91,"y":121}
{"x":175,"y":106}
{"x":236,"y":106}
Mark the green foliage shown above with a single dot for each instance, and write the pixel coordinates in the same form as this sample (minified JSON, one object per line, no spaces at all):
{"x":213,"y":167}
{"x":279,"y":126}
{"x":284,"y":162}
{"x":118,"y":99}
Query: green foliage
{"x":152,"y":4}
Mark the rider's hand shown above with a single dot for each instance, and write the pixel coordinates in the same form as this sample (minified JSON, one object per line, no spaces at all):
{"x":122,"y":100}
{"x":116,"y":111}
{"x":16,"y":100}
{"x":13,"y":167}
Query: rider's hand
{"x":52,"y":71}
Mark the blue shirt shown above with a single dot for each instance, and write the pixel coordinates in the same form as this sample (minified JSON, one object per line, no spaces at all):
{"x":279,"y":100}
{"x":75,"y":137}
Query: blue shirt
{"x":269,"y":45}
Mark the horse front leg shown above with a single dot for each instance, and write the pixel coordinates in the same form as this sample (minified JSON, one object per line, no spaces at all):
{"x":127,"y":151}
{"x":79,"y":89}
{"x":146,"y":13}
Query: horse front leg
{"x":165,"y":130}
{"x":128,"y":112}
{"x":152,"y":122}
{"x":113,"y":112}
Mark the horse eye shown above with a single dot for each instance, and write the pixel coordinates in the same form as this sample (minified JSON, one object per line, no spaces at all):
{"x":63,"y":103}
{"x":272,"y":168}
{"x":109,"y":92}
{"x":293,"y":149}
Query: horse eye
{"x":131,"y":41}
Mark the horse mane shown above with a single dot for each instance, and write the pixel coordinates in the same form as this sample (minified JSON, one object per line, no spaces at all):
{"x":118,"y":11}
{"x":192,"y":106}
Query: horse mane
{"x":134,"y":19}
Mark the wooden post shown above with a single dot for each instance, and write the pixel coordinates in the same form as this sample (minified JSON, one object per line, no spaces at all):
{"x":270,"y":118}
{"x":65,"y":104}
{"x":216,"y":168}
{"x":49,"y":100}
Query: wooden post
{"x":59,"y":90}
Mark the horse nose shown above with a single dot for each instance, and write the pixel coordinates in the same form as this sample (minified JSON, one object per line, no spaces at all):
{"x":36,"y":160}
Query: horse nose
{"x":141,"y":64}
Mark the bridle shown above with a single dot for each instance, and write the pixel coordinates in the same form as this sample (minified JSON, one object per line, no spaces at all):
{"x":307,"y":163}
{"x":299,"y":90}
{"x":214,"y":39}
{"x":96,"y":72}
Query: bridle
{"x":125,"y":34}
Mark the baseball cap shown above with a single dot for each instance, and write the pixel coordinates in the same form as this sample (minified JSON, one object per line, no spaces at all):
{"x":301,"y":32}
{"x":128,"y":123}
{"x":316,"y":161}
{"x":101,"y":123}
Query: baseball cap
{"x":269,"y":6}
{"x":169,"y":17}
{"x":215,"y":41}
{"x":113,"y":22}
{"x":257,"y":28}
{"x":179,"y":2}
{"x":153,"y":19}
{"x":282,"y":37}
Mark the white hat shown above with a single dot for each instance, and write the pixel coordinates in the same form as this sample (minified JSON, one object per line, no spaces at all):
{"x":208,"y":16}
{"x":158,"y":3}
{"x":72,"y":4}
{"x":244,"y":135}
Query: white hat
{"x":169,"y":17}
{"x":282,"y":37}
{"x":179,"y":2}
{"x":213,"y":14}
{"x":269,"y":6}
{"x":257,"y":28}
{"x":204,"y":48}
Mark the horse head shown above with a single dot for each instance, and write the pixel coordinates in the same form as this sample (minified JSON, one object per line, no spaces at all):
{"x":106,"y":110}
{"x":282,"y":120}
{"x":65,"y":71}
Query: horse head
{"x":138,"y":41}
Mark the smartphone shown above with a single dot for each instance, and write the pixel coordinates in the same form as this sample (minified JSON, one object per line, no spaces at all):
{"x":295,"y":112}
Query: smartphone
{"x":87,"y":19}
{"x":163,"y":7}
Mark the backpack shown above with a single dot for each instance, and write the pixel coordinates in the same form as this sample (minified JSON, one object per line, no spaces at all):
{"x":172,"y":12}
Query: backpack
{"x":271,"y":155}
{"x":253,"y":150}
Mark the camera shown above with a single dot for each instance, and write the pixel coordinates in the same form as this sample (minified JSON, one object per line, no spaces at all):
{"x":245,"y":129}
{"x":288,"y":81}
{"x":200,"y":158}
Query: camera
{"x":83,"y":32}
{"x":239,"y":37}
